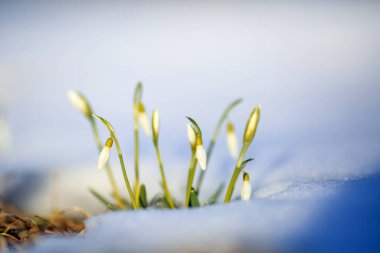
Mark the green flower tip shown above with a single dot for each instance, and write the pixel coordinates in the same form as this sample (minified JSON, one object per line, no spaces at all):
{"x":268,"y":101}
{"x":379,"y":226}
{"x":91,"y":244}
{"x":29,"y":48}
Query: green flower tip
{"x":246,"y":189}
{"x":245,"y":176}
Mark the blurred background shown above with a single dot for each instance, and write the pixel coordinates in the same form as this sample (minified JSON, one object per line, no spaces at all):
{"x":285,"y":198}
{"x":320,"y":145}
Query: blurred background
{"x":312,"y":65}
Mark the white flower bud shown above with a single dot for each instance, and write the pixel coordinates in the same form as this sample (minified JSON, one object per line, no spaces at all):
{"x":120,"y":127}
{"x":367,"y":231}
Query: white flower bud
{"x":155,"y":124}
{"x":143,"y":119}
{"x":251,"y":127}
{"x":232,"y":141}
{"x":246,"y":189}
{"x":79,"y":102}
{"x":191,"y":135}
{"x":201,"y":156}
{"x":105,"y":154}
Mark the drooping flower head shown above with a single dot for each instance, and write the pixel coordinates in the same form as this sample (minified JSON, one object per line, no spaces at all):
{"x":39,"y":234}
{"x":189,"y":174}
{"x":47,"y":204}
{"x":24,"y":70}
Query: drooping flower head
{"x":246,"y":189}
{"x":232,"y":141}
{"x":194,"y":132}
{"x":191,"y":136}
{"x":143,"y":119}
{"x":105,"y":154}
{"x":80,"y":103}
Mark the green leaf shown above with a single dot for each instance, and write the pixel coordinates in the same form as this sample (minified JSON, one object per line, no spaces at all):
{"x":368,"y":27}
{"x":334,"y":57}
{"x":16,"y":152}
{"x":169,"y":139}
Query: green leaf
{"x":103,"y":200}
{"x":194,"y":202}
{"x":216,"y":195}
{"x":143,"y":196}
{"x":138,"y":93}
{"x":221,"y":120}
{"x":244,"y":163}
{"x":196,"y":127}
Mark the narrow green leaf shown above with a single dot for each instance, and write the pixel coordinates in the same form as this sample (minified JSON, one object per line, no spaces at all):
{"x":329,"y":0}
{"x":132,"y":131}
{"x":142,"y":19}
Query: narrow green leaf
{"x":143,"y":196}
{"x":216,"y":195}
{"x":244,"y":163}
{"x":195,"y":126}
{"x":138,"y":93}
{"x":102,"y":199}
{"x":165,"y":202}
{"x":194,"y":202}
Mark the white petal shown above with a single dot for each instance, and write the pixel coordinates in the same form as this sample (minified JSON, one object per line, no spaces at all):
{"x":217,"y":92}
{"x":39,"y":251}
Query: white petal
{"x":77,"y":101}
{"x":232,"y":144}
{"x":201,"y":156}
{"x":103,"y":157}
{"x":156,"y":122}
{"x":144,"y":123}
{"x":246,"y":191}
{"x":191,"y":134}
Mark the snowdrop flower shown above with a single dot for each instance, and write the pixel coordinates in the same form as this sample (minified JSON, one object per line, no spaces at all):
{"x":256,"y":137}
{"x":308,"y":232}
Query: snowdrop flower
{"x":201,"y":154}
{"x":246,"y":189}
{"x":155,"y":125}
{"x":251,"y":127}
{"x":143,"y":118}
{"x":191,"y":135}
{"x":79,"y":102}
{"x":105,"y":154}
{"x":232,"y":141}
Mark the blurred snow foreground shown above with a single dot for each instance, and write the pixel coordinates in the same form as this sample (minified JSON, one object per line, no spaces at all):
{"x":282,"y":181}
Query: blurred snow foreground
{"x":267,"y":222}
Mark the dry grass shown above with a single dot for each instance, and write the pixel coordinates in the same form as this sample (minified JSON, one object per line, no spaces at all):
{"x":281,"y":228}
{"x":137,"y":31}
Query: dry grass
{"x":18,"y":229}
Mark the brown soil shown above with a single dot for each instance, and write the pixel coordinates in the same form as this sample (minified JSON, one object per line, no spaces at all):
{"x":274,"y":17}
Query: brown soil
{"x":18,"y":229}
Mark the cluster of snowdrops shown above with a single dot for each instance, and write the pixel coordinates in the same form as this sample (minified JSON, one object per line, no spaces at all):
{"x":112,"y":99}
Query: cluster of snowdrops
{"x":199,"y":156}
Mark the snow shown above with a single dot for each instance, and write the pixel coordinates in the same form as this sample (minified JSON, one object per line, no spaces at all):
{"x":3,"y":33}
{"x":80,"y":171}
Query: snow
{"x":261,"y":224}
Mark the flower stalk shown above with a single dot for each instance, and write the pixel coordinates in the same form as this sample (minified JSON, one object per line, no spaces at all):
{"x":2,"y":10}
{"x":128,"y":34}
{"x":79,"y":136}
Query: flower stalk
{"x":115,"y":140}
{"x":80,"y":102}
{"x":249,"y":134}
{"x":155,"y":131}
{"x":198,"y":155}
{"x":136,"y":102}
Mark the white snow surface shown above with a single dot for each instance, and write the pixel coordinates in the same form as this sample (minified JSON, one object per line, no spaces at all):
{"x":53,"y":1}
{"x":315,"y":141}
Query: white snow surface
{"x":262,"y":224}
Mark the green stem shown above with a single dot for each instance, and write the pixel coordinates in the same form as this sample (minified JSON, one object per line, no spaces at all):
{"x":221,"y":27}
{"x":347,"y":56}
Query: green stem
{"x":236,"y":173}
{"x":190,"y":177}
{"x":136,"y":143}
{"x":210,"y":148}
{"x":164,"y":183}
{"x":133,"y":199}
{"x":110,"y":175}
